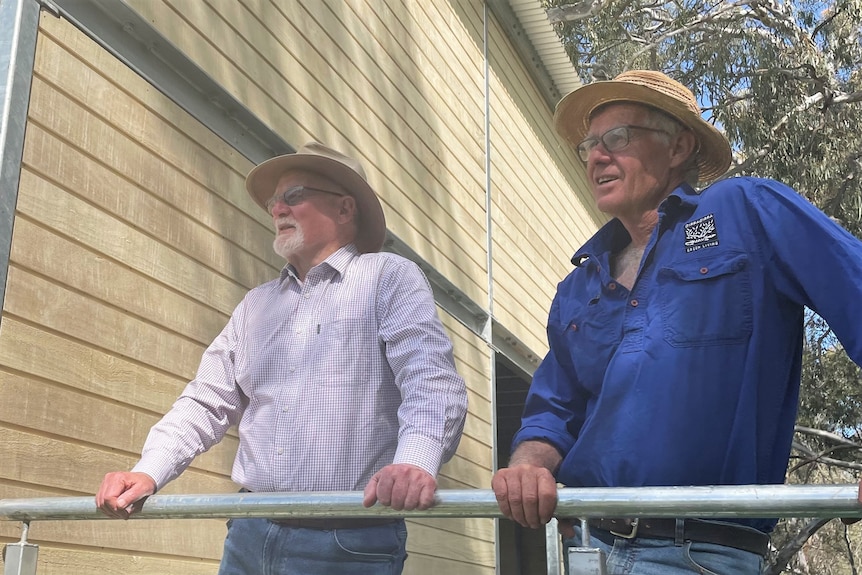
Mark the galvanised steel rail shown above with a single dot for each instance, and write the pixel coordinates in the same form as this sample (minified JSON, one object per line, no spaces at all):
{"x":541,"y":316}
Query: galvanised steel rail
{"x":712,"y":501}
{"x":715,"y":502}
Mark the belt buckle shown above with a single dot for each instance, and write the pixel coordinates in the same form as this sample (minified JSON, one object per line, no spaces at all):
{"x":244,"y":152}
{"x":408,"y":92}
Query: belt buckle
{"x":631,"y":534}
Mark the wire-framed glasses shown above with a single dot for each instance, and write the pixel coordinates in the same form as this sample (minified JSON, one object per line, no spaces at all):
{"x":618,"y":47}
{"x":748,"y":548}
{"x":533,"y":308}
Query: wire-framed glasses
{"x":613,"y":140}
{"x":296,"y":195}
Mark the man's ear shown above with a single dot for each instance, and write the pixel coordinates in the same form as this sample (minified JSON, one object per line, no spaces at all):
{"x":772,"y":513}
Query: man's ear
{"x":683,"y":146}
{"x":346,"y":209}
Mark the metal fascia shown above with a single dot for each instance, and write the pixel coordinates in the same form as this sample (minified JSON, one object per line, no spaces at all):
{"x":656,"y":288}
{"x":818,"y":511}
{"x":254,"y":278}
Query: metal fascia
{"x":129,"y":37}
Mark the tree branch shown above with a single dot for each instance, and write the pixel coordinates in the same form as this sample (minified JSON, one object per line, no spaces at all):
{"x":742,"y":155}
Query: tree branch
{"x":813,"y":457}
{"x":793,"y":546}
{"x":826,"y":435}
{"x":748,"y":162}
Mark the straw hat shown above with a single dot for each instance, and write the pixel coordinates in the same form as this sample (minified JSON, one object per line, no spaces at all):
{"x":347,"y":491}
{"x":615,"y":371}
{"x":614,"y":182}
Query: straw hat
{"x":572,"y":117}
{"x":343,"y":170}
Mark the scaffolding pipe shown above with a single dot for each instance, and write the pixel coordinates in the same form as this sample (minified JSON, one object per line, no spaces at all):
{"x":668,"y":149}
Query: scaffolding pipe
{"x":710,"y":501}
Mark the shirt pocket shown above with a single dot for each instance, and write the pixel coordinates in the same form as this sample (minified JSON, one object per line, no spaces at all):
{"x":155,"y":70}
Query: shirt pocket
{"x":707,"y":300}
{"x":343,"y":351}
{"x":588,"y":339}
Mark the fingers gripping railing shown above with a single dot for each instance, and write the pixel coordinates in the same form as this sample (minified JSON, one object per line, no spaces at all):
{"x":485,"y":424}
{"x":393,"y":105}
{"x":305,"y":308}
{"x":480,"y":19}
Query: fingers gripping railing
{"x":713,"y":502}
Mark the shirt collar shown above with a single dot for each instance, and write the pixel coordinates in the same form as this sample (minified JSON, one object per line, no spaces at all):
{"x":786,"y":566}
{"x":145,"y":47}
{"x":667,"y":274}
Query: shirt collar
{"x":683,"y":195}
{"x":613,"y":236}
{"x":610,"y":237}
{"x":337,"y":261}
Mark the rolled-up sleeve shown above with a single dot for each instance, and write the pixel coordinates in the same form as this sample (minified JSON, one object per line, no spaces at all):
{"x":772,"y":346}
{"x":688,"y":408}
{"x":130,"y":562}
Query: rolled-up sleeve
{"x":554,"y":409}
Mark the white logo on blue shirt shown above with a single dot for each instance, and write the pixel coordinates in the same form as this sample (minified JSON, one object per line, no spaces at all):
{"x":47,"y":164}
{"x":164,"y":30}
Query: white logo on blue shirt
{"x":701,"y":233}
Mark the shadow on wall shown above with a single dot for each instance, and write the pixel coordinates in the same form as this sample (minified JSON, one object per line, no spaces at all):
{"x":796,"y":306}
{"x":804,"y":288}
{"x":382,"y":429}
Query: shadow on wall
{"x":402,"y":101}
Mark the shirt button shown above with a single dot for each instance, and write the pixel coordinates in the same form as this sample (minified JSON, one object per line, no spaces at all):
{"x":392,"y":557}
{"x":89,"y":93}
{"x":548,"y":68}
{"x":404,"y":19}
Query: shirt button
{"x":299,"y":331}
{"x":281,"y":451}
{"x":704,"y":270}
{"x":634,"y":303}
{"x":574,"y":327}
{"x":612,"y":286}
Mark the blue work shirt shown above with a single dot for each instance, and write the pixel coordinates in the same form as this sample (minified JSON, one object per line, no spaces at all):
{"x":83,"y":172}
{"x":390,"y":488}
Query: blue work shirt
{"x":692,"y":377}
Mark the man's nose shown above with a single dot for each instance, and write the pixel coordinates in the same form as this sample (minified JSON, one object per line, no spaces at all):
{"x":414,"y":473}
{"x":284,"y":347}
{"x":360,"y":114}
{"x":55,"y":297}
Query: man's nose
{"x":279,"y":209}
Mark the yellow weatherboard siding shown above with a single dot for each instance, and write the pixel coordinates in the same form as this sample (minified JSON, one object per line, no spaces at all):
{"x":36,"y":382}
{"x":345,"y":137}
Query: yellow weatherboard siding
{"x":134,"y":239}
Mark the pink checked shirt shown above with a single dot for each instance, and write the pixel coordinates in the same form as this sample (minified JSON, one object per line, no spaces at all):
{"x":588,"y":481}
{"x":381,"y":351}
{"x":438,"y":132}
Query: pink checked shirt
{"x":329,"y":380}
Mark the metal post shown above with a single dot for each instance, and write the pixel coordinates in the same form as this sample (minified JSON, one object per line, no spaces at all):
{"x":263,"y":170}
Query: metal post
{"x":552,"y":546}
{"x":20,"y":558}
{"x":19,"y":24}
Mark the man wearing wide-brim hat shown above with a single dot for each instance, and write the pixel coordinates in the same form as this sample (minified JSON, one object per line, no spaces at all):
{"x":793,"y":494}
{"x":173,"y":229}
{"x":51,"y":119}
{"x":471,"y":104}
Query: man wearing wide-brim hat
{"x":675,"y":343}
{"x":338,"y":374}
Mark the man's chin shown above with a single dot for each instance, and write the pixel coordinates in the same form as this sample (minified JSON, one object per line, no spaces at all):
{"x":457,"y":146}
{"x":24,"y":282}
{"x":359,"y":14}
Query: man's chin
{"x":607,"y":203}
{"x":286,"y":246}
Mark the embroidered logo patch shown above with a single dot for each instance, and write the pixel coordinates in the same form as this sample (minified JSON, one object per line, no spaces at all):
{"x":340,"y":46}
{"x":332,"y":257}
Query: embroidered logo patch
{"x":701,"y":233}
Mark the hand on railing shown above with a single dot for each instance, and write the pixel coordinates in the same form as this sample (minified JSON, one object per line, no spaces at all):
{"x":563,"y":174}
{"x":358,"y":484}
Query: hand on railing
{"x":402,"y":487}
{"x":526,"y":494}
{"x":123,"y":493}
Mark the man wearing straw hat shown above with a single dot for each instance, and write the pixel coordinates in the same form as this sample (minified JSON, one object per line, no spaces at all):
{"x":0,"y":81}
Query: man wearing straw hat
{"x":675,"y":343}
{"x":338,"y":375}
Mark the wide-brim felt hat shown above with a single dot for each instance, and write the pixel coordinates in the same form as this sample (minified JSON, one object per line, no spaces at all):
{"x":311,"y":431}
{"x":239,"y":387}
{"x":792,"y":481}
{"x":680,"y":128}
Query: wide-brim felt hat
{"x":343,"y":170}
{"x":649,"y":88}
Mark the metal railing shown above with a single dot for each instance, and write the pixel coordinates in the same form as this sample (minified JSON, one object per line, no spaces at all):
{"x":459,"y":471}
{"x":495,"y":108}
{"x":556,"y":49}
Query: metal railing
{"x":704,"y":502}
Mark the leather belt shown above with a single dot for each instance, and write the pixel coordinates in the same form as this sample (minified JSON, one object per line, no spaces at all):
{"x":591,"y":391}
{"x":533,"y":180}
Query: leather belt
{"x":727,"y":534}
{"x":336,"y":523}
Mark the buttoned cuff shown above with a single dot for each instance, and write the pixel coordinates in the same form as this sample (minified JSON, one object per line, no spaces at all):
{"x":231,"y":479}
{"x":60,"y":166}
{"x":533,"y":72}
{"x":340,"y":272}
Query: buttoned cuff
{"x":161,"y":475}
{"x":420,"y":451}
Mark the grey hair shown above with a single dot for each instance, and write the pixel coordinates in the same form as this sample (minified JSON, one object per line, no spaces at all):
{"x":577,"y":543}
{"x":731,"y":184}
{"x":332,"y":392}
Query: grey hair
{"x":658,"y":119}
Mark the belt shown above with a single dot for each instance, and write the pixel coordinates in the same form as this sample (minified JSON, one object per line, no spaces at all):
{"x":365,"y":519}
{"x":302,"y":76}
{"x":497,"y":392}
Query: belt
{"x":726,"y":534}
{"x":336,"y":523}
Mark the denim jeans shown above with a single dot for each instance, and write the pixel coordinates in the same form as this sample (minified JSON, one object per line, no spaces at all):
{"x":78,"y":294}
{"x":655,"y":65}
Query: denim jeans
{"x":642,"y":556}
{"x":260,"y":547}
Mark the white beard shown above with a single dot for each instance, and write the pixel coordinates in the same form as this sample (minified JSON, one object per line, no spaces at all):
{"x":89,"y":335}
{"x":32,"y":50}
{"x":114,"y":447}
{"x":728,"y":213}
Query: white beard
{"x":288,"y":245}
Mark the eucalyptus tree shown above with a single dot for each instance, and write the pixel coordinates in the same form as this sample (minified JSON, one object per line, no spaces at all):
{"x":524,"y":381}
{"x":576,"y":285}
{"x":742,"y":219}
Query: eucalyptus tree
{"x":784,"y":82}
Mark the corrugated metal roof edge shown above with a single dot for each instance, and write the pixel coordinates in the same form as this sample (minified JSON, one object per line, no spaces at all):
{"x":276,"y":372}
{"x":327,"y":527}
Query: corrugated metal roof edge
{"x":537,"y":41}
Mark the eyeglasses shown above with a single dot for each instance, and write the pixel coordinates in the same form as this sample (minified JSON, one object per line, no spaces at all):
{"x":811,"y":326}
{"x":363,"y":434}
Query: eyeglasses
{"x":295,"y":195}
{"x":613,"y":140}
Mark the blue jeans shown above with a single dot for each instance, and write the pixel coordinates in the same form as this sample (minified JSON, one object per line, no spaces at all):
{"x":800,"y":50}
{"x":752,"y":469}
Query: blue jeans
{"x":260,"y":547}
{"x":642,"y":556}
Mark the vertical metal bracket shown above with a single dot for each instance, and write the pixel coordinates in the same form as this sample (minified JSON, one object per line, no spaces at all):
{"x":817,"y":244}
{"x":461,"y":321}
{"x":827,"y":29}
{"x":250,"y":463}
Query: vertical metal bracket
{"x":552,"y":547}
{"x":586,"y":560}
{"x":20,"y":558}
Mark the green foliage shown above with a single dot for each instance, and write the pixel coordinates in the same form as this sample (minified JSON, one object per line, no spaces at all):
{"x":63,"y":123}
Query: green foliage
{"x":831,"y":394}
